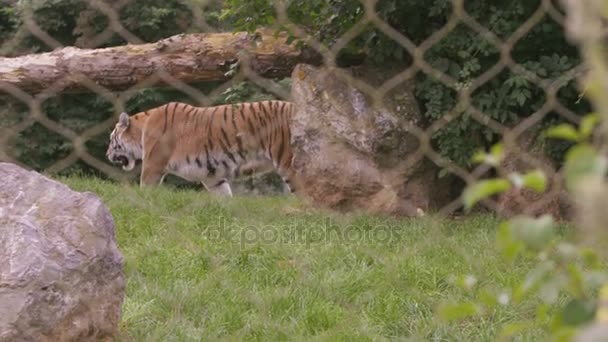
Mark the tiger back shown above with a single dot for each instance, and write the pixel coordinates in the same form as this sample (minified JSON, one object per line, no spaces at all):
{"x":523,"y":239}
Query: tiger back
{"x":211,"y":145}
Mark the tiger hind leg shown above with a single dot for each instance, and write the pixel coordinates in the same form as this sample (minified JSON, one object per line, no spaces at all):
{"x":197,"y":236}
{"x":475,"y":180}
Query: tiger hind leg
{"x":285,"y":169}
{"x":221,"y":187}
{"x":289,"y":179}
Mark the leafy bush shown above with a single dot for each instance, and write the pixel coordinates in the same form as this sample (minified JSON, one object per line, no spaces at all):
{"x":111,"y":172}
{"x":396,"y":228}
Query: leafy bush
{"x":567,"y":277}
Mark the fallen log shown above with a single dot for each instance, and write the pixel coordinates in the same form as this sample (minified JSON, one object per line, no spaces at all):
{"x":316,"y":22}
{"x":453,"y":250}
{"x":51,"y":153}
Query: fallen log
{"x":189,"y":58}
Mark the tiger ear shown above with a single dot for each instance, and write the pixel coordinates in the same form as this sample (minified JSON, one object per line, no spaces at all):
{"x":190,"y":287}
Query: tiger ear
{"x":123,"y":119}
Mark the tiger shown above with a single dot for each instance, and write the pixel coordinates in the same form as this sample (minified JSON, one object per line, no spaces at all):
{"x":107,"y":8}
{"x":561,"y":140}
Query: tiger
{"x":211,"y":145}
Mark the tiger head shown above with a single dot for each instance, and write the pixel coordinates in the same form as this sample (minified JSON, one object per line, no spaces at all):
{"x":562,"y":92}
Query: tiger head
{"x":125,"y":146}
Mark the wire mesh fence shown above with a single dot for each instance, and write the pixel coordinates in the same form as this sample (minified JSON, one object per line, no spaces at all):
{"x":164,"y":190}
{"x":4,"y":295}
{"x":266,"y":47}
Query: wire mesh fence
{"x":465,"y":104}
{"x":504,"y":76}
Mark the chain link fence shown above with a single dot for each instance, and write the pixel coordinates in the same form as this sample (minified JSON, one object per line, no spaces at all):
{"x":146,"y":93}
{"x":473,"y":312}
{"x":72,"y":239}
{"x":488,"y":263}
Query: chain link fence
{"x":31,"y":129}
{"x":75,"y":142}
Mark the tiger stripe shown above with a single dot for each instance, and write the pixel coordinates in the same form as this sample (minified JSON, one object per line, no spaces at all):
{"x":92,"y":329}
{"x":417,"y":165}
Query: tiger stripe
{"x":206,"y":144}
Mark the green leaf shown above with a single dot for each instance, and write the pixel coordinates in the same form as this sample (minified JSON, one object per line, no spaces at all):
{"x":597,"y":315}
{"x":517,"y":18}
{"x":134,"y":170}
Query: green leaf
{"x":542,"y":312}
{"x":506,"y":244}
{"x":535,"y":180}
{"x":534,"y":279}
{"x":452,"y":312}
{"x":466,"y":282}
{"x":290,"y":39}
{"x":521,"y":98}
{"x":575,"y":284}
{"x":566,"y":252}
{"x":595,"y":279}
{"x":583,"y":161}
{"x":587,"y":124}
{"x":511,"y":329}
{"x":483,"y":189}
{"x":488,"y":299}
{"x":493,"y":158}
{"x":578,"y":312}
{"x":590,"y":258}
{"x":549,"y":290}
{"x":479,"y":157}
{"x":564,"y":334}
{"x":535,"y":233}
{"x":497,"y":151}
{"x":563,"y":131}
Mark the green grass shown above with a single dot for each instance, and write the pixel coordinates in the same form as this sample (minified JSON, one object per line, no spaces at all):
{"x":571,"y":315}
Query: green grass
{"x":268,"y":268}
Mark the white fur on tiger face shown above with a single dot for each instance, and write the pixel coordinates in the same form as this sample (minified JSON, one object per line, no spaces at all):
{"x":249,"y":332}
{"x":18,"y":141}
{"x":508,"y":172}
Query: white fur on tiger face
{"x":125,"y":149}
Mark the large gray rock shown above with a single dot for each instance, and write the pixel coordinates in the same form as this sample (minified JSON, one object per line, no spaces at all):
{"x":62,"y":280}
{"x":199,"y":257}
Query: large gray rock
{"x":354,"y":155}
{"x":61,"y":275}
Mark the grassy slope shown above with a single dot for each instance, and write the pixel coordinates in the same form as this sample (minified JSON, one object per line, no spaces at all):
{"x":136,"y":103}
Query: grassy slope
{"x":202,"y":268}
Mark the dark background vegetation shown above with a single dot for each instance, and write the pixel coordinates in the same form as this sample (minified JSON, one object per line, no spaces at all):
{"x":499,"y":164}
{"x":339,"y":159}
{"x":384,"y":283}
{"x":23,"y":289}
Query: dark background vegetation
{"x":463,"y":54}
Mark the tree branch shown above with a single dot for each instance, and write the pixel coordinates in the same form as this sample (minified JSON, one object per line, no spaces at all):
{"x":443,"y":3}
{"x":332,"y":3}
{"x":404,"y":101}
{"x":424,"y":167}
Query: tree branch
{"x":185,"y":57}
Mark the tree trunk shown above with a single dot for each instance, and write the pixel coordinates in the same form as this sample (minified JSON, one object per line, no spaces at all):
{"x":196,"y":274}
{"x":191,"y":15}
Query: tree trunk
{"x":185,"y":57}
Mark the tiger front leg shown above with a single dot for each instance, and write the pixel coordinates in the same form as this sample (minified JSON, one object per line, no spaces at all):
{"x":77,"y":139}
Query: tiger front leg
{"x":157,"y":153}
{"x":151,"y":176}
{"x":153,"y":169}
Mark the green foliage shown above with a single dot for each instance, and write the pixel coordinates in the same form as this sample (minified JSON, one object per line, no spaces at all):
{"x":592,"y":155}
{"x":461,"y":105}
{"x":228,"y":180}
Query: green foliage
{"x":534,"y":233}
{"x":568,"y":132}
{"x":566,"y":276}
{"x":246,"y":91}
{"x":41,"y":148}
{"x":563,"y":131}
{"x":561,"y":279}
{"x":463,"y":55}
{"x":493,"y":158}
{"x":483,"y":189}
{"x":75,"y":22}
{"x":535,"y":180}
{"x":583,"y":161}
{"x":8,"y":21}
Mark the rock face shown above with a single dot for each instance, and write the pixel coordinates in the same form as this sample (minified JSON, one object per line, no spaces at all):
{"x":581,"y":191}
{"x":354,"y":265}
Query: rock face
{"x":352,"y":155}
{"x":61,"y":275}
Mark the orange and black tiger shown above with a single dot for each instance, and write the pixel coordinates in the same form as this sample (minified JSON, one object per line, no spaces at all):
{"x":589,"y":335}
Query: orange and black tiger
{"x":211,"y":145}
